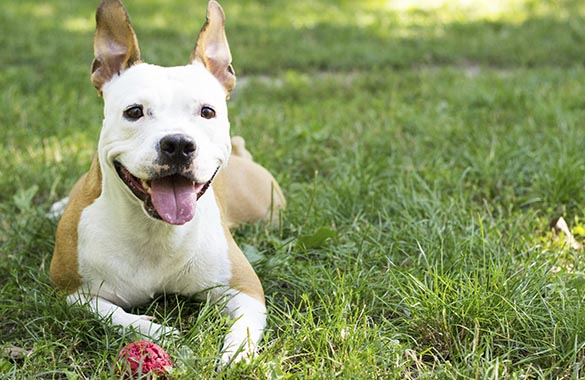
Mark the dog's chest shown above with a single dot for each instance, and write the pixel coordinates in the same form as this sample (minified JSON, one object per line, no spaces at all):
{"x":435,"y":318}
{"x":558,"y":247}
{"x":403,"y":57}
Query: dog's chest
{"x":131,"y":259}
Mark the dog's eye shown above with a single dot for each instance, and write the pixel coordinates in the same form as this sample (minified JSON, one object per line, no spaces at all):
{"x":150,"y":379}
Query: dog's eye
{"x":134,"y":112}
{"x":207,"y":112}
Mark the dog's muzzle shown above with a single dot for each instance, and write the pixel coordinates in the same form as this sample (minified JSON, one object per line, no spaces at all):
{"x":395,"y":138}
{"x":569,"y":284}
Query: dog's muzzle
{"x":171,"y":197}
{"x":176,"y":151}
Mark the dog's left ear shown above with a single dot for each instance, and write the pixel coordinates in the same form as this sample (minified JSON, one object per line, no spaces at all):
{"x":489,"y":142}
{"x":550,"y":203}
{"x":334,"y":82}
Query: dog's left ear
{"x":212,"y":48}
{"x":115,"y":44}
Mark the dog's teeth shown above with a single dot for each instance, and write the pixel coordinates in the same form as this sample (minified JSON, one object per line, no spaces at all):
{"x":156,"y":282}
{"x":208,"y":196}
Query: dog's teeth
{"x":145,"y":185}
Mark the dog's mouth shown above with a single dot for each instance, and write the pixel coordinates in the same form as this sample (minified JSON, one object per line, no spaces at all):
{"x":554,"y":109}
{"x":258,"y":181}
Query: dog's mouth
{"x":170,"y":198}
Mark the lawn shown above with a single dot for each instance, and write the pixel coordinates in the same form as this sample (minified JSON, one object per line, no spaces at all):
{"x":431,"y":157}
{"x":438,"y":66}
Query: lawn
{"x":424,"y":151}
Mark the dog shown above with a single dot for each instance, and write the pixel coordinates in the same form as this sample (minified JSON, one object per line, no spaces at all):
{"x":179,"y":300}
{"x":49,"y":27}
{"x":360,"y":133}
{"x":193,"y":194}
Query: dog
{"x":153,"y":213}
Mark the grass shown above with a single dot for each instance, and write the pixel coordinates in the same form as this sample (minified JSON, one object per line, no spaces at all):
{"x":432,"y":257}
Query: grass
{"x":423,"y":151}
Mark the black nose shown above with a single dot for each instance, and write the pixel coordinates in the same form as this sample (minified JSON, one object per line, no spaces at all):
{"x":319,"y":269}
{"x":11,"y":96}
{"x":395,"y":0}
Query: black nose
{"x":177,"y":148}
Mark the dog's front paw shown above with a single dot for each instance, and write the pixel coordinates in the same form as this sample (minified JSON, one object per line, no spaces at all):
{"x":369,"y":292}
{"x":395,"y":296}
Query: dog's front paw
{"x":158,"y":332}
{"x":144,"y":326}
{"x":231,"y":357}
{"x":234,"y":352}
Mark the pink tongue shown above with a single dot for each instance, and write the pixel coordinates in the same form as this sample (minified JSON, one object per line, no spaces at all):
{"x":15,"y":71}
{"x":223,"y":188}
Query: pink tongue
{"x":174,"y":199}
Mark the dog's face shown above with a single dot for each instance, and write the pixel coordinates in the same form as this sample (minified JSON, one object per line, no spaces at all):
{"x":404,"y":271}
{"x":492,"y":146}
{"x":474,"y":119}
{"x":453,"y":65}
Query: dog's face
{"x":166,"y":130}
{"x":165,"y":134}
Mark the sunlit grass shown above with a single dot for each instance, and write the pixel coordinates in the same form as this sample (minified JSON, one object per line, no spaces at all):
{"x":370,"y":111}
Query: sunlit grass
{"x":79,"y":24}
{"x":470,"y":10}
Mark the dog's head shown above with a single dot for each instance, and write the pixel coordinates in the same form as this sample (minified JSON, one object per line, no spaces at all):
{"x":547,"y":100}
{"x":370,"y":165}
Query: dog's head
{"x":166,"y":131}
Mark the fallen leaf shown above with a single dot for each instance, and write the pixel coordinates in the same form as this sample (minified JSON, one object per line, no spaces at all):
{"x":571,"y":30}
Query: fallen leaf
{"x":318,"y":239}
{"x":560,"y":226}
{"x":252,"y":253}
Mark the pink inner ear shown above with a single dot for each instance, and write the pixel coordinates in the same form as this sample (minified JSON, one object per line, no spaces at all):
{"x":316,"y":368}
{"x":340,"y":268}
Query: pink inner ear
{"x":212,"y":48}
{"x":115,"y":44}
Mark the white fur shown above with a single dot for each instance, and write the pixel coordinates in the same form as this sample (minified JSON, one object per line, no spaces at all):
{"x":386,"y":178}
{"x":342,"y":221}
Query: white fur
{"x":126,"y":257}
{"x":138,"y":258}
{"x":172,"y":98}
{"x":249,"y":317}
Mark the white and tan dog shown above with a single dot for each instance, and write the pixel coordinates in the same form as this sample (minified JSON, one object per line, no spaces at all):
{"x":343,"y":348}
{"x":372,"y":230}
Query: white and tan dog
{"x":146,"y":219}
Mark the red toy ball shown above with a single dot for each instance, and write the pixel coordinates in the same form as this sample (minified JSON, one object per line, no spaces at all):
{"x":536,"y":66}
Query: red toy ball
{"x":144,"y":359}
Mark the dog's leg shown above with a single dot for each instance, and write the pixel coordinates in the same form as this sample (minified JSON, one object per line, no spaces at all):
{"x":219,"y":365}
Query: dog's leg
{"x":249,"y":320}
{"x":247,"y":191}
{"x":244,"y":304}
{"x":239,"y":148}
{"x":142,"y":324}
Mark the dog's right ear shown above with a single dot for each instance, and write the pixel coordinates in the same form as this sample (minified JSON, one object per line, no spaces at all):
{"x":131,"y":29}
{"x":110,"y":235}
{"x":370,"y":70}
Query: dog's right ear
{"x":212,"y":47}
{"x":115,"y":45}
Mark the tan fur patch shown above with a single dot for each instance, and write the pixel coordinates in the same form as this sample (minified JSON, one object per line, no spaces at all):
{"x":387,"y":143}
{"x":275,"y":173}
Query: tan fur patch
{"x":248,"y":193}
{"x":244,"y":279}
{"x":64,"y":265}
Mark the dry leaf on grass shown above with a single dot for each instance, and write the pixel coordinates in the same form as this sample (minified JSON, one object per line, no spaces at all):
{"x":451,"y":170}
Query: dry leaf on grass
{"x":560,"y":226}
